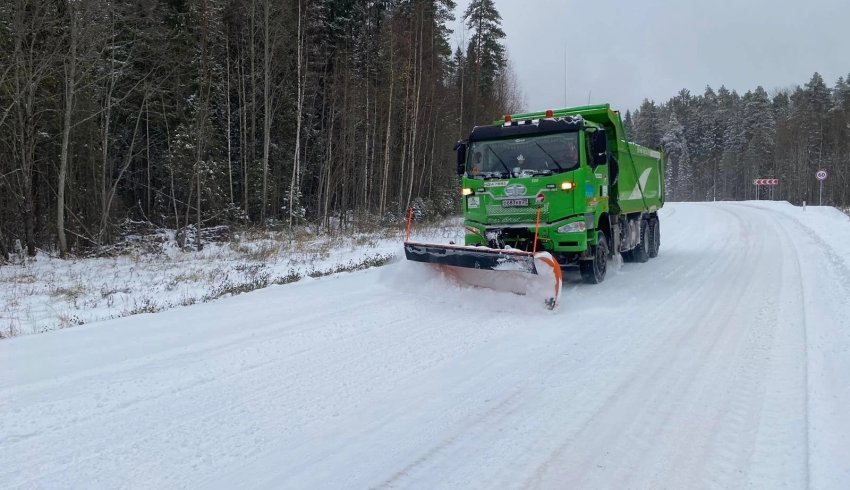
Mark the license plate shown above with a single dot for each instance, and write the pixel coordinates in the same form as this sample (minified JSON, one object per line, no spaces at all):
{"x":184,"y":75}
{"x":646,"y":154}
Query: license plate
{"x":514,"y":203}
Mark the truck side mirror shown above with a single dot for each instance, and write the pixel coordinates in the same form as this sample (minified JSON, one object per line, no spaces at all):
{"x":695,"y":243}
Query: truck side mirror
{"x":599,"y":147}
{"x":460,"y":148}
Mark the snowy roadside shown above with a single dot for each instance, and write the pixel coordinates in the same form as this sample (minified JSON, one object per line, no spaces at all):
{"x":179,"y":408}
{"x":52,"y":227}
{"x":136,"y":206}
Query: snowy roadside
{"x":46,"y":293}
{"x":820,"y":223}
{"x":825,"y":278}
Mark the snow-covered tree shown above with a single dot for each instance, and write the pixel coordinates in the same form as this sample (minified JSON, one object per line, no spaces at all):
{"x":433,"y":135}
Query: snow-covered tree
{"x":485,"y":55}
{"x":648,"y":124}
{"x":678,"y":178}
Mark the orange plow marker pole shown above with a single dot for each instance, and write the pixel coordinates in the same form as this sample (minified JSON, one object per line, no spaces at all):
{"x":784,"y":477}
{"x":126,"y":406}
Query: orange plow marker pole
{"x":536,"y":231}
{"x":558,"y":274}
{"x":409,"y":224}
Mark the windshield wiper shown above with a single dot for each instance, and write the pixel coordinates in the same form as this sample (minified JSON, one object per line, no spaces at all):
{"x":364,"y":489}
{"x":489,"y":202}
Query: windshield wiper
{"x":550,"y":156}
{"x":500,"y":160}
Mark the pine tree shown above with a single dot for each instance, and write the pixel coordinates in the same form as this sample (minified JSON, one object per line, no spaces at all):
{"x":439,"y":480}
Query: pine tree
{"x":675,"y":145}
{"x":812,"y":103}
{"x":485,"y":54}
{"x":760,"y":128}
{"x":628,"y":125}
{"x":707,"y":155}
{"x":647,"y":122}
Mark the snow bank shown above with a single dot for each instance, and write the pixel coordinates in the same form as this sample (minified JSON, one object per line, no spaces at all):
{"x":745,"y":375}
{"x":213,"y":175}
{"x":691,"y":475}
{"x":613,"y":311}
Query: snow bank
{"x":45,"y":293}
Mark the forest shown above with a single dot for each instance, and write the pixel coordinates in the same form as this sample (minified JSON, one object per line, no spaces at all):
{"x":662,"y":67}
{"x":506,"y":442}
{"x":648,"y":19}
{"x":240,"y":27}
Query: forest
{"x":717,"y":143}
{"x":337,"y":114}
{"x":188,"y":114}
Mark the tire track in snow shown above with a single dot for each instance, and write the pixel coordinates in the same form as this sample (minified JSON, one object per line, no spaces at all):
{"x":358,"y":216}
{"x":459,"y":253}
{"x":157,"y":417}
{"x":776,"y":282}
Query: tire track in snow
{"x":56,"y":413}
{"x":824,"y":287}
{"x":656,"y":381}
{"x":190,"y":411}
{"x":596,"y":368}
{"x":505,"y":408}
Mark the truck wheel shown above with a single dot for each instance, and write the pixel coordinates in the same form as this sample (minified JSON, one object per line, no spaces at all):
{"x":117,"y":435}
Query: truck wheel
{"x":641,"y":252}
{"x":656,"y":238}
{"x":593,"y":271}
{"x":650,"y":237}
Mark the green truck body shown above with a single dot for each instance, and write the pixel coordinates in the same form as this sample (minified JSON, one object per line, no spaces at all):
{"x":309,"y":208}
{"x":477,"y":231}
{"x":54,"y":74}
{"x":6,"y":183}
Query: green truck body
{"x":562,"y":181}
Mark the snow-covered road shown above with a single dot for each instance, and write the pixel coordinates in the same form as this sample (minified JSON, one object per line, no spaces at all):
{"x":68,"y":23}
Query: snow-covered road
{"x":724,"y":363}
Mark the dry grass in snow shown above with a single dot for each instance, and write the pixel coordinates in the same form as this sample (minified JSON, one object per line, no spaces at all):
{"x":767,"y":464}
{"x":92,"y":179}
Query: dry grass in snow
{"x":45,"y":293}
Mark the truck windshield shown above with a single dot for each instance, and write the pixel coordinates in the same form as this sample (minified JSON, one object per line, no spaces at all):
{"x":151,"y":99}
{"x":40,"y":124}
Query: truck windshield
{"x":532,"y":155}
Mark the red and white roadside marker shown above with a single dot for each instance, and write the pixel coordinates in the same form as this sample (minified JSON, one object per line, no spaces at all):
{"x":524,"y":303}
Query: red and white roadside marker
{"x":766,"y":182}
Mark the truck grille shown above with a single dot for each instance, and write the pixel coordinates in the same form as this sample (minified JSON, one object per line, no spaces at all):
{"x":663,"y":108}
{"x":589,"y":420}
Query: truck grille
{"x":528,"y":214}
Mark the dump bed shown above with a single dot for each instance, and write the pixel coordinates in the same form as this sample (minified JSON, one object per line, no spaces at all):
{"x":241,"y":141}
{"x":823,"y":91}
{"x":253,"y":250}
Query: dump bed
{"x":640,"y":186}
{"x":640,"y":182}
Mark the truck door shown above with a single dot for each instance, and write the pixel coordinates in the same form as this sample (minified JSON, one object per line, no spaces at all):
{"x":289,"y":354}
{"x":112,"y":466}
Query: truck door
{"x":596,"y":188}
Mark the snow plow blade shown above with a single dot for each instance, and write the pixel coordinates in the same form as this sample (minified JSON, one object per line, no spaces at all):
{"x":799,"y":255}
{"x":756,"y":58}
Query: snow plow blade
{"x":517,"y":271}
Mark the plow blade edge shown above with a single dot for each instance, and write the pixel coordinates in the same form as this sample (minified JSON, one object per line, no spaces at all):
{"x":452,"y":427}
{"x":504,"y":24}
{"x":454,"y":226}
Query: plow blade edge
{"x":533,"y":274}
{"x":471,"y":257}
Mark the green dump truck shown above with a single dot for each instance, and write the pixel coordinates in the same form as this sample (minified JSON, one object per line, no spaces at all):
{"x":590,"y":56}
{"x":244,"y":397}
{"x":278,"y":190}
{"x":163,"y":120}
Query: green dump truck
{"x":565,"y":182}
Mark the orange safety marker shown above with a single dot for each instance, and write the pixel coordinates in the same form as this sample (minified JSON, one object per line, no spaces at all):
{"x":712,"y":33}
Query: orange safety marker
{"x":536,"y":231}
{"x":409,"y":224}
{"x":556,"y":268}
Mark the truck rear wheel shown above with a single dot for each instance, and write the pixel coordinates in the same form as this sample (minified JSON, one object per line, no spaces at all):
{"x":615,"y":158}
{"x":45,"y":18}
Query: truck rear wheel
{"x":655,"y":233}
{"x":641,"y":252}
{"x":593,"y":271}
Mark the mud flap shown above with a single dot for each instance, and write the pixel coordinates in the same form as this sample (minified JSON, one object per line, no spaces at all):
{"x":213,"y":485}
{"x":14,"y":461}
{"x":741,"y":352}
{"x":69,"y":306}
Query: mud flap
{"x":536,"y":275}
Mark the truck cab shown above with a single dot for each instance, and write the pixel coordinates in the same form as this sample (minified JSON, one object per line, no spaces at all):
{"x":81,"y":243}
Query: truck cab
{"x":564,"y":181}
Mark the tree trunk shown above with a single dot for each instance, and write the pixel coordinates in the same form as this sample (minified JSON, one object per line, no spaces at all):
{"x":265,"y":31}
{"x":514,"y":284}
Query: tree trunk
{"x":102,"y":234}
{"x":243,"y":131}
{"x":253,"y":90}
{"x":267,"y":109}
{"x":70,"y":85}
{"x":385,"y":180}
{"x":294,"y":188}
{"x":328,"y":169}
{"x":417,"y":68}
{"x":4,"y":253}
{"x":228,"y":128}
{"x":202,"y":121}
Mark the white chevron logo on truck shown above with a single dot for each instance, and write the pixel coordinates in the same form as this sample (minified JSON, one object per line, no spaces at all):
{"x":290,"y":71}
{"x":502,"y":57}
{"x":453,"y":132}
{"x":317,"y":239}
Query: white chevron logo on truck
{"x":636,"y":192}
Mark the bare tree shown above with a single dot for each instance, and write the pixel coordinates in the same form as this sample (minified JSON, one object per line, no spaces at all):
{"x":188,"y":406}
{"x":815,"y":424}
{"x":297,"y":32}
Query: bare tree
{"x":294,"y":187}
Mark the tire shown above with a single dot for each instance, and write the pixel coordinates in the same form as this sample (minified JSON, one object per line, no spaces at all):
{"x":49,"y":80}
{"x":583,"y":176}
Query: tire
{"x":656,"y":238}
{"x":593,"y":271}
{"x":650,"y":237}
{"x":641,"y":252}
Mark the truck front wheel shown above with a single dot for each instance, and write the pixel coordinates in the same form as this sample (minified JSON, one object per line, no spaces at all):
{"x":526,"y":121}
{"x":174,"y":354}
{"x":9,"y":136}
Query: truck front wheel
{"x":593,"y":271}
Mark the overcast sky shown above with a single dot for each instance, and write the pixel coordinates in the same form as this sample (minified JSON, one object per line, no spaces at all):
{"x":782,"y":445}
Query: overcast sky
{"x":623,"y":51}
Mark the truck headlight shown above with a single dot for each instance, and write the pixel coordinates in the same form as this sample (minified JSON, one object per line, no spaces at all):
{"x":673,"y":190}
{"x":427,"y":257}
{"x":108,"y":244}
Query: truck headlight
{"x":467,"y":191}
{"x":572,"y":227}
